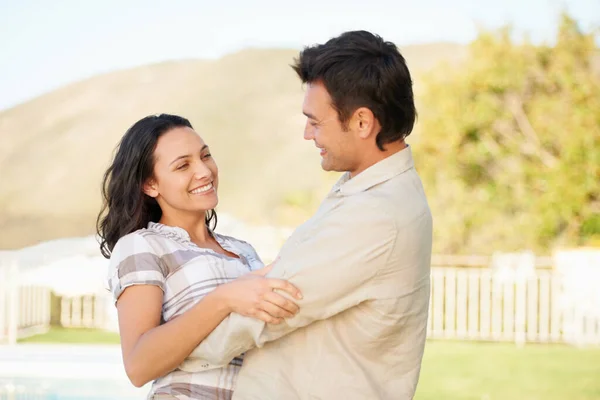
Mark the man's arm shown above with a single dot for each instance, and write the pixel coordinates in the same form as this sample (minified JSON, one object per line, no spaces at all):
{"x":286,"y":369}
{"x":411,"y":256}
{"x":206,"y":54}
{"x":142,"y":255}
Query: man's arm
{"x":334,"y":266}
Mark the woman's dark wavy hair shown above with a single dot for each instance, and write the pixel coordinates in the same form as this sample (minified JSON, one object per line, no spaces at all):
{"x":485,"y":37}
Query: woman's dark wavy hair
{"x":126,"y":208}
{"x":360,"y":69}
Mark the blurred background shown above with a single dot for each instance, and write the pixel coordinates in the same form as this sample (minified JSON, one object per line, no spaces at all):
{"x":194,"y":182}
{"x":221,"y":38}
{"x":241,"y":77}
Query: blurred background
{"x":507,"y":144}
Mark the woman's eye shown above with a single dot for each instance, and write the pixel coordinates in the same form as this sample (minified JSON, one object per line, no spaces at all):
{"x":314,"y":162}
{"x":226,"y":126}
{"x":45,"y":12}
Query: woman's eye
{"x":183,"y":166}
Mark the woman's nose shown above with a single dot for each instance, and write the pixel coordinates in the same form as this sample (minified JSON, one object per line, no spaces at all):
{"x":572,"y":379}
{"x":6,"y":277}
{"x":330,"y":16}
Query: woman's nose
{"x":202,"y":171}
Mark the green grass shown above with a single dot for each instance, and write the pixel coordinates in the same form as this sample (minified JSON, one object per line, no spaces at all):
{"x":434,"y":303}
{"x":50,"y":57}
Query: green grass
{"x":78,"y":336}
{"x":463,"y":370}
{"x":497,"y":371}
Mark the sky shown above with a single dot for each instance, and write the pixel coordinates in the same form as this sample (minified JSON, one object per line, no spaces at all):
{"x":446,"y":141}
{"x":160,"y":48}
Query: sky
{"x":45,"y":45}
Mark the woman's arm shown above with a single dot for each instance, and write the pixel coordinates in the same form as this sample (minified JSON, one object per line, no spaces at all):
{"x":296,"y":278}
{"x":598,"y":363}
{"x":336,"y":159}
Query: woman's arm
{"x":151,"y":350}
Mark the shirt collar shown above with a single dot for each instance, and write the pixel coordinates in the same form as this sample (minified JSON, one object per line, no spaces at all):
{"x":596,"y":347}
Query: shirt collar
{"x":177,"y":232}
{"x":377,"y":173}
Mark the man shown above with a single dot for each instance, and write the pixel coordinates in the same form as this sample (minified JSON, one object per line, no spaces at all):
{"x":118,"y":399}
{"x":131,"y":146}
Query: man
{"x":362,"y":261}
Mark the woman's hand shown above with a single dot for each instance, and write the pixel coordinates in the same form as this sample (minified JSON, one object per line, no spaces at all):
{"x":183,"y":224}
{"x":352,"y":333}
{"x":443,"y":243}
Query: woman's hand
{"x":253,"y":295}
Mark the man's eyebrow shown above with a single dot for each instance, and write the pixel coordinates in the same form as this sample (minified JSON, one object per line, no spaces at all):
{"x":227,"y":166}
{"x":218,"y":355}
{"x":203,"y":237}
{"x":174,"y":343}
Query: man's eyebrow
{"x":309,"y":115}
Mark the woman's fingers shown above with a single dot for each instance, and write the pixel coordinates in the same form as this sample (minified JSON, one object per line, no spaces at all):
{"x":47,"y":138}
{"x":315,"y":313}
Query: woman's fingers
{"x":281,"y":302}
{"x":264,"y":316}
{"x":274,"y":310}
{"x":285,"y":286}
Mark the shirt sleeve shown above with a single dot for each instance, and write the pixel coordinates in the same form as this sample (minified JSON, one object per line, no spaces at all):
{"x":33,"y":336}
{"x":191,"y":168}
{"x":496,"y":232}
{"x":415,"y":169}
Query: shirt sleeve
{"x":133,"y":261}
{"x":334,"y":266}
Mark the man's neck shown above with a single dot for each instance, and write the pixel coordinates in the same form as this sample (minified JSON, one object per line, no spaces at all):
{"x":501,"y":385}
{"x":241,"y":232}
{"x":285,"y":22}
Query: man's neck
{"x":377,"y":155}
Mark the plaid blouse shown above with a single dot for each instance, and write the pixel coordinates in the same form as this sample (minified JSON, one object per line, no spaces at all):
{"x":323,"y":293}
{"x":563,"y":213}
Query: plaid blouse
{"x":166,"y":257}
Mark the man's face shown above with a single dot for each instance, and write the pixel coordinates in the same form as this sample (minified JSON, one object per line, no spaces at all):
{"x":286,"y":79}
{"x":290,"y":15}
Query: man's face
{"x":338,"y":147}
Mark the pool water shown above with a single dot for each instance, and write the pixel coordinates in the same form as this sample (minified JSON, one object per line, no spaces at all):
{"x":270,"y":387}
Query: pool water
{"x":68,"y":389}
{"x":65,"y":372}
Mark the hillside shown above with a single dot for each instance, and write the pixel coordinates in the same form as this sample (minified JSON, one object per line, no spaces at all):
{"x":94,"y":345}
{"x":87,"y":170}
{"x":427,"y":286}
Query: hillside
{"x":247,"y":106}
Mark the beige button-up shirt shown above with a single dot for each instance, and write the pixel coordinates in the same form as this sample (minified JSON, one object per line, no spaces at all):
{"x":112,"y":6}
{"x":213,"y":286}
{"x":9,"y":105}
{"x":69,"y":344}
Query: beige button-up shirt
{"x":362,"y":263}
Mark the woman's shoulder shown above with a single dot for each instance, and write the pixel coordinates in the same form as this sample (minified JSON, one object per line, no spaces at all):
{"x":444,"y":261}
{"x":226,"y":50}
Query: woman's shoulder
{"x":144,"y":240}
{"x":136,"y":260}
{"x":130,"y":245}
{"x":139,"y":237}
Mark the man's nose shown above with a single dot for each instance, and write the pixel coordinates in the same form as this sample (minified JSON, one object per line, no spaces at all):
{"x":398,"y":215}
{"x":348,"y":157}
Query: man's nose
{"x":309,"y":133}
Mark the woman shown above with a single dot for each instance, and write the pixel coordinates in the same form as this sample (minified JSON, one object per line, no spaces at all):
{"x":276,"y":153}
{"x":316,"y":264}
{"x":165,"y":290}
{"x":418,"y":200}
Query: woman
{"x":173,"y":278}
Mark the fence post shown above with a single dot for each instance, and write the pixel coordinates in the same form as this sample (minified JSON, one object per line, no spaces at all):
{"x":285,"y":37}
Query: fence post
{"x":13,"y":301}
{"x":3,"y":298}
{"x":65,"y":311}
{"x":46,"y":307}
{"x":579,"y":270}
{"x":514,"y":270}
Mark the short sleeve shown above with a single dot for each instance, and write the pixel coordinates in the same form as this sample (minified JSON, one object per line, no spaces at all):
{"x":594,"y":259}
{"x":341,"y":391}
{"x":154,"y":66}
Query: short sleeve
{"x":133,"y":261}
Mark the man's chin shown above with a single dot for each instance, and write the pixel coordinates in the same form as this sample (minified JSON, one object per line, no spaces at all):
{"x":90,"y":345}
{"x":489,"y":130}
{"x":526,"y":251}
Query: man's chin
{"x":329,"y":167}
{"x":326,"y":166}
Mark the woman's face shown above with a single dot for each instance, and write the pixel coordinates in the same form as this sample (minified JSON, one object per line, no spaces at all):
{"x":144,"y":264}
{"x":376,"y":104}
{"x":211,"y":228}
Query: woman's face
{"x":185,"y":174}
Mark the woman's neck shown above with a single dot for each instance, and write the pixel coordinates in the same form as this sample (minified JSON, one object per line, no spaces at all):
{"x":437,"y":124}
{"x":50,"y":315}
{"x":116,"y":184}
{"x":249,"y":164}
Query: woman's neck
{"x":199,"y":233}
{"x":195,"y":227}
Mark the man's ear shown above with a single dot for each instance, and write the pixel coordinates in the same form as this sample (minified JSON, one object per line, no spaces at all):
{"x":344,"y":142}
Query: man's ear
{"x":150,"y":188}
{"x":365,"y":122}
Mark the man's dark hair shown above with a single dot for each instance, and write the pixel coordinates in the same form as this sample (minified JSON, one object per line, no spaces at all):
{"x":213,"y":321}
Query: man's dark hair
{"x":360,"y":69}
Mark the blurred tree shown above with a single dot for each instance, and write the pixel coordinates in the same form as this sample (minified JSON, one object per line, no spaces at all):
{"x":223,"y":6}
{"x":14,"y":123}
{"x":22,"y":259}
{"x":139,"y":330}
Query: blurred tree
{"x":510,"y":144}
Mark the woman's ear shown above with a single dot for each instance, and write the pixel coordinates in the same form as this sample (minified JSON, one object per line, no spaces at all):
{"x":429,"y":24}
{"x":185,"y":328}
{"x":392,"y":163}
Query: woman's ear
{"x":150,"y":188}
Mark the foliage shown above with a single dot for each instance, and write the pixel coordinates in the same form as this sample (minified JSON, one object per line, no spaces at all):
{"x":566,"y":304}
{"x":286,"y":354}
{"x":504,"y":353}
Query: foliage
{"x":510,"y":144}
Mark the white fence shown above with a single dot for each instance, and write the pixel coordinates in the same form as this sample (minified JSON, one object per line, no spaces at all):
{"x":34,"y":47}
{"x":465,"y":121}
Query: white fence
{"x":476,"y":304}
{"x":538,"y":305}
{"x":466,"y":303}
{"x":89,"y":311}
{"x":517,"y":297}
{"x":24,"y":309}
